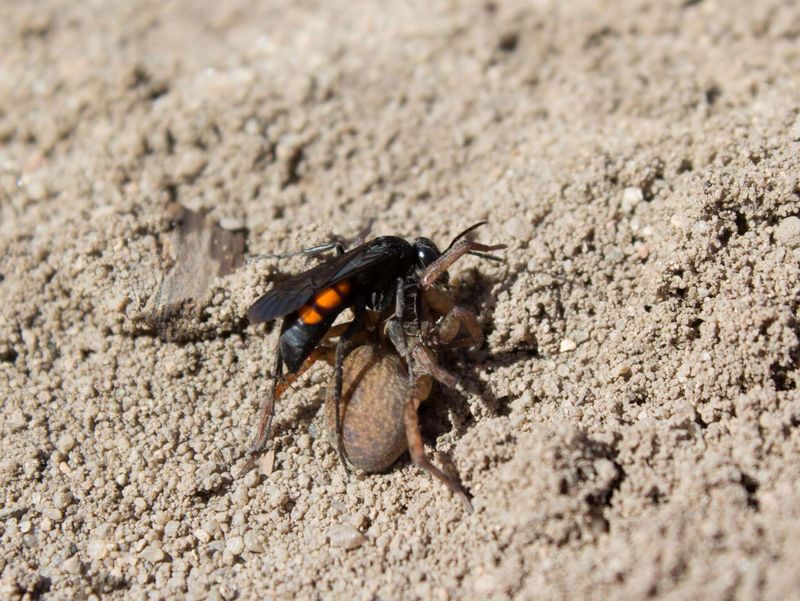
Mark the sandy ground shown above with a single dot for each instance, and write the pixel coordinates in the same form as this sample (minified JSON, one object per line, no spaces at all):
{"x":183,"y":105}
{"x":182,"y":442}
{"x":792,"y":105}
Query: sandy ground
{"x":637,"y":433}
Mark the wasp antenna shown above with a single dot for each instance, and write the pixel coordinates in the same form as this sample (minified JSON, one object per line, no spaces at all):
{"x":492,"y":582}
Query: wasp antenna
{"x":486,"y":256}
{"x":260,"y":257}
{"x":312,"y":251}
{"x":464,"y":233}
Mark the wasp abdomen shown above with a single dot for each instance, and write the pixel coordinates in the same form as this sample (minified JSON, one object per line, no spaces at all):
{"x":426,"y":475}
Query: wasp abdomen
{"x":313,"y":321}
{"x":325,"y":302}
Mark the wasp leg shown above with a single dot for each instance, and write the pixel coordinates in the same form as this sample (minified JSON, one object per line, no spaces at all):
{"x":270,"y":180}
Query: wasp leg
{"x":267,"y":409}
{"x":313,"y":251}
{"x":436,"y":269}
{"x":394,"y":324}
{"x":310,"y":252}
{"x":322,"y":352}
{"x":338,"y":244}
{"x":416,"y":447}
{"x":282,"y":383}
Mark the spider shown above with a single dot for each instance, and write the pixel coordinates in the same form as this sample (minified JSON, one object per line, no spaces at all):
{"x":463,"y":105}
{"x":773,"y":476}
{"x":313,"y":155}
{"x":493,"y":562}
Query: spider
{"x":367,"y":279}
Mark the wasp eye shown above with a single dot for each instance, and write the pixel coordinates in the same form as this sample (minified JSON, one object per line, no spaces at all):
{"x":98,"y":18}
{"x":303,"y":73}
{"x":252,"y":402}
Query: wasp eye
{"x":427,"y":251}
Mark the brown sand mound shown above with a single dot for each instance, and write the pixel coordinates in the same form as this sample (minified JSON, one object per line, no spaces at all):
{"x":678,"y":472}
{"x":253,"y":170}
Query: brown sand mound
{"x":637,"y":436}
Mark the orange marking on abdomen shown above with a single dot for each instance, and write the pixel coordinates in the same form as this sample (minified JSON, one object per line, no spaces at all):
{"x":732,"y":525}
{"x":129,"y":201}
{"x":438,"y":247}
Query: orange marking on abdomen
{"x":309,"y":315}
{"x":328,"y":299}
{"x":343,"y":287}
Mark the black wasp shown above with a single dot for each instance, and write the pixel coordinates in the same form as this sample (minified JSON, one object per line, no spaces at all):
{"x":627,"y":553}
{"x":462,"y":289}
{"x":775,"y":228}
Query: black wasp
{"x":367,"y":278}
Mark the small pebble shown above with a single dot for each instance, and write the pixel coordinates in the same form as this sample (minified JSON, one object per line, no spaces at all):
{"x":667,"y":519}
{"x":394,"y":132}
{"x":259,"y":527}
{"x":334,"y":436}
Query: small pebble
{"x":679,"y":222}
{"x":72,"y":565}
{"x":152,"y":553}
{"x":235,"y":545}
{"x":171,"y":528}
{"x":251,"y":479}
{"x":788,"y":231}
{"x":622,"y":371}
{"x":241,"y":497}
{"x":36,"y":190}
{"x":357,"y":520}
{"x":190,"y":165}
{"x":66,"y":443}
{"x":231,"y":223}
{"x":53,"y":514}
{"x":17,"y":420}
{"x":252,"y":542}
{"x":97,"y":548}
{"x":211,"y":526}
{"x":580,"y":336}
{"x":567,"y":345}
{"x":519,"y":229}
{"x":267,"y":462}
{"x":279,"y":499}
{"x":630,"y":198}
{"x":345,"y":537}
{"x":62,"y":500}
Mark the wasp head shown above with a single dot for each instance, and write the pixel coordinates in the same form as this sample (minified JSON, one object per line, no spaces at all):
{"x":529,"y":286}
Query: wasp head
{"x":427,"y":253}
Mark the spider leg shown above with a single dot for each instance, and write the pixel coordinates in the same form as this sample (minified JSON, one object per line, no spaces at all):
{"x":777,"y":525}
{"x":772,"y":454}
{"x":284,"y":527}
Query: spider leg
{"x":436,"y":269}
{"x":416,"y":448}
{"x":421,"y":364}
{"x":424,"y":363}
{"x":454,"y":317}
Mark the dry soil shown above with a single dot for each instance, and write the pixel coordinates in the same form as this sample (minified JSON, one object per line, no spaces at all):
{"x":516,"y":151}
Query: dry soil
{"x":631,"y":428}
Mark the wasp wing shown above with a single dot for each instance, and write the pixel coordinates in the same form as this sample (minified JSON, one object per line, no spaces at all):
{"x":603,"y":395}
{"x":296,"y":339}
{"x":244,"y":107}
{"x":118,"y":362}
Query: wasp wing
{"x":291,"y":294}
